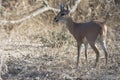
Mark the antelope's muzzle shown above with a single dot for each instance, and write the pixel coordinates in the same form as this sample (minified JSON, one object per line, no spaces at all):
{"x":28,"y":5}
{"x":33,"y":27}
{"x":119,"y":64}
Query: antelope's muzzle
{"x":55,"y":19}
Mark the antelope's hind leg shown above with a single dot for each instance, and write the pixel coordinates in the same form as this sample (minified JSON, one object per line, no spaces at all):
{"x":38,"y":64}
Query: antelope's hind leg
{"x":86,"y":53}
{"x":103,"y":45}
{"x":92,"y":44}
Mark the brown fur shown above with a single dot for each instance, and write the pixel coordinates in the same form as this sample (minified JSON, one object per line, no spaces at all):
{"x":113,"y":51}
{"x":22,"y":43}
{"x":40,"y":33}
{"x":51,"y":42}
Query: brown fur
{"x":88,"y":30}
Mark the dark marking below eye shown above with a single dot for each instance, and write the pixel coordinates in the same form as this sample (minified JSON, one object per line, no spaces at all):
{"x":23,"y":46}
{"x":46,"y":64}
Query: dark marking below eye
{"x":62,"y":14}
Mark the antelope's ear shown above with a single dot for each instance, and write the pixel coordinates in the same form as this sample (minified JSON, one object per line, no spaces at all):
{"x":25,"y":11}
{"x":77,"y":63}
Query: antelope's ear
{"x":68,"y":8}
{"x":61,"y":7}
{"x":67,"y":5}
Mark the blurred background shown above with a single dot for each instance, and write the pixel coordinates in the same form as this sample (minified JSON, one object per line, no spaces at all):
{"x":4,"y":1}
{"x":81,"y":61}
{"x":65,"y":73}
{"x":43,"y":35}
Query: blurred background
{"x":34,"y":47}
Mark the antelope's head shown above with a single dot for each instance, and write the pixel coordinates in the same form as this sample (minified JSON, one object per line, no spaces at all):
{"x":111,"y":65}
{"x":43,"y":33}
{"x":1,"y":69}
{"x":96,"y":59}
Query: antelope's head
{"x":63,"y":12}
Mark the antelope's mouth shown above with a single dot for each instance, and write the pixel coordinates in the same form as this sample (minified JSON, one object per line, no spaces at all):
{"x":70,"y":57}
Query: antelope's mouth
{"x":55,"y":19}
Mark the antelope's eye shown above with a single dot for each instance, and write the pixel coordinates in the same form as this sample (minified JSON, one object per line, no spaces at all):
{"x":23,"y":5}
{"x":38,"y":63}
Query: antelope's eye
{"x":62,"y":14}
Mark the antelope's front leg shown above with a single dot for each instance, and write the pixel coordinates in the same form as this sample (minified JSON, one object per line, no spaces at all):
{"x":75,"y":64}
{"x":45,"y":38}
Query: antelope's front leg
{"x":79,"y":50}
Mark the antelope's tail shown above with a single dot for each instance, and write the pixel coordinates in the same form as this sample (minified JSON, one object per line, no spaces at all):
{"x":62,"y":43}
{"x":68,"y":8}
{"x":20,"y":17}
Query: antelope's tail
{"x":106,"y":17}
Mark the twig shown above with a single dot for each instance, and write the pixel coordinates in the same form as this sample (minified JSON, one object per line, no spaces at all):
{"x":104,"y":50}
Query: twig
{"x":39,"y":11}
{"x":75,"y":6}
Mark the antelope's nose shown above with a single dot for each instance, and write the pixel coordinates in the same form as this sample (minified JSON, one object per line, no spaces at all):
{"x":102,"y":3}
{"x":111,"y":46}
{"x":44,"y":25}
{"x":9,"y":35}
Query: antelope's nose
{"x":55,"y":19}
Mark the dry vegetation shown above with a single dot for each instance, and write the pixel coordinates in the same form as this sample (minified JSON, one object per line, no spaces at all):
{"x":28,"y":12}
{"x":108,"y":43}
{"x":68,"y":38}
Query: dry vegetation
{"x":39,"y":49}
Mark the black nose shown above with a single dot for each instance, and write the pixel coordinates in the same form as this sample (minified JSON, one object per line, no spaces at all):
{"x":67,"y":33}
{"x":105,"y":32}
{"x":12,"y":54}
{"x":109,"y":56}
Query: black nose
{"x":55,"y":19}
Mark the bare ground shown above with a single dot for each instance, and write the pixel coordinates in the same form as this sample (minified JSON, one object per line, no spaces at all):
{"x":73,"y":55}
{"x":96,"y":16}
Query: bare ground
{"x":26,"y":60}
{"x":44,"y":63}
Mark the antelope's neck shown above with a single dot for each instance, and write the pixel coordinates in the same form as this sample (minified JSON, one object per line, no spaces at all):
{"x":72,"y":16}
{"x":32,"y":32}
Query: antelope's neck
{"x":70,"y":24}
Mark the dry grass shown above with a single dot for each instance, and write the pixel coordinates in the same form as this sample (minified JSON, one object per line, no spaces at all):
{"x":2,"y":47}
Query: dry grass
{"x":38,"y":49}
